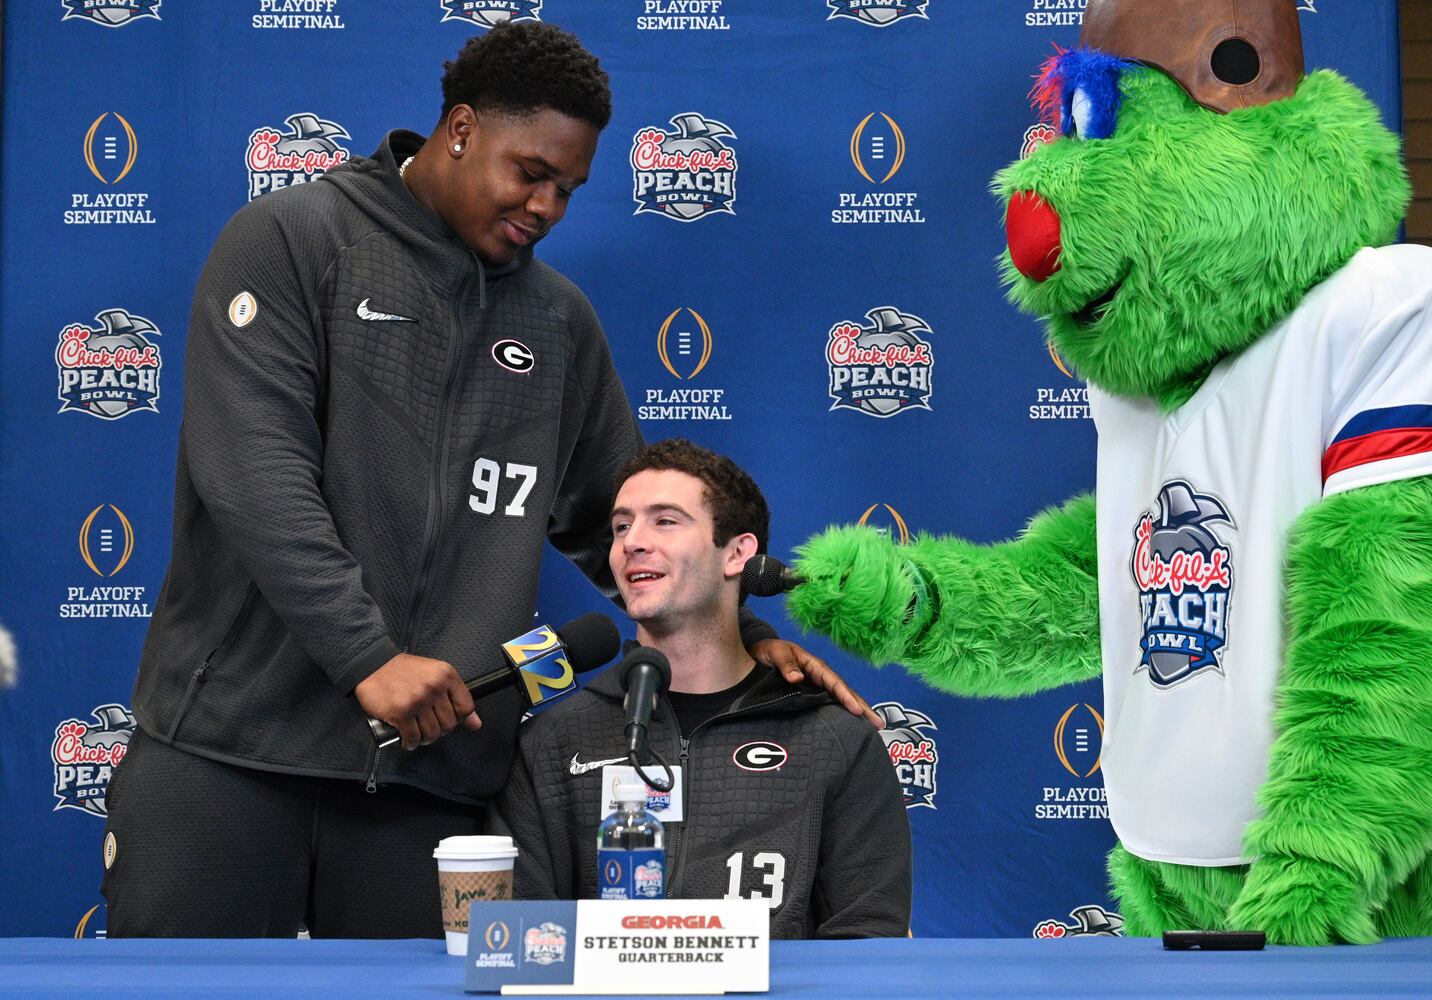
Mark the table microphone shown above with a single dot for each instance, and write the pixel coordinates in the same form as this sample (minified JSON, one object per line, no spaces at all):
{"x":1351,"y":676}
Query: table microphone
{"x":645,"y":674}
{"x":541,"y":664}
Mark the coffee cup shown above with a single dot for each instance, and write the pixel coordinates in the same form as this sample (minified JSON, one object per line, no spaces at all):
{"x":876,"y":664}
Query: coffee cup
{"x":471,"y":869}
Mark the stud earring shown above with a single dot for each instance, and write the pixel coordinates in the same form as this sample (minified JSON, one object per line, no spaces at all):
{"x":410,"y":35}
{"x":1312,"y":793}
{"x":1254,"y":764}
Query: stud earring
{"x":457,"y":147}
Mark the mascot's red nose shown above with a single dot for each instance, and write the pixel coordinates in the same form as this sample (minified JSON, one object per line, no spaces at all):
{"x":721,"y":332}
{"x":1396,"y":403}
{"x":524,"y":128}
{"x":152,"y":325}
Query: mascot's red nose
{"x":1032,"y":226}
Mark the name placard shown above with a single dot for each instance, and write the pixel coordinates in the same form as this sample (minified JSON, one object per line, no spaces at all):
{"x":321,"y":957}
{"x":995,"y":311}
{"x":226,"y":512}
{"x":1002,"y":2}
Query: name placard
{"x":619,"y":946}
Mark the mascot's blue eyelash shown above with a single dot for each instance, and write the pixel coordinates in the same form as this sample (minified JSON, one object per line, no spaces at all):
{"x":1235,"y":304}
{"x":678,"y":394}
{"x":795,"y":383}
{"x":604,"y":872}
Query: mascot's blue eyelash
{"x":1070,"y":69}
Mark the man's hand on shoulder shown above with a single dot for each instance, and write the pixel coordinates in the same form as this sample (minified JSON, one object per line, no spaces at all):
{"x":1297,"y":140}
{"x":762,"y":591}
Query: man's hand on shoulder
{"x":796,"y":664}
{"x":422,"y":697}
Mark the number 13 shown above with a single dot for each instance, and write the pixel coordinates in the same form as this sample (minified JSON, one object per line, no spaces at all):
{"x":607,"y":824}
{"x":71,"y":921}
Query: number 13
{"x":774,"y":864}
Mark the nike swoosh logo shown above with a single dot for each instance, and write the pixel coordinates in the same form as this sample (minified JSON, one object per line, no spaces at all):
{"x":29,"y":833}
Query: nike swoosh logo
{"x":582,"y":767}
{"x":365,"y":313}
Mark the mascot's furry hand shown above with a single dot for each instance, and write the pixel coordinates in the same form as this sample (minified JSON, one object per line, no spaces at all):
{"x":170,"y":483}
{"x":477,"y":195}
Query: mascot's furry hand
{"x":970,"y":619}
{"x":1262,"y":387}
{"x":870,"y":612}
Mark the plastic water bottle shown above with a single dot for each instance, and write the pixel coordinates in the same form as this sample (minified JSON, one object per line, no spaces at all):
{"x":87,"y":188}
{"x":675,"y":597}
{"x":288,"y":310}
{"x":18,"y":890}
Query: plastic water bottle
{"x":631,"y":851}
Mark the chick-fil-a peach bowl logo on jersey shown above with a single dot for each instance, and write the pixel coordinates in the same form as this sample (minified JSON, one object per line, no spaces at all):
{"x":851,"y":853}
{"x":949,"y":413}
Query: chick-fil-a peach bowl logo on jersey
{"x":489,"y":13}
{"x":686,"y":174}
{"x":110,"y":13}
{"x":112,"y":371}
{"x":307,"y":150}
{"x":1184,"y":573}
{"x":881,"y":369}
{"x":877,"y":13}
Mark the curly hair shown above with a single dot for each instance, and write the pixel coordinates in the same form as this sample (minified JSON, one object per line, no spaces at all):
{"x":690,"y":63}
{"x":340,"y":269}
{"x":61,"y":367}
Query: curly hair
{"x":519,"y":67}
{"x":737,"y":505}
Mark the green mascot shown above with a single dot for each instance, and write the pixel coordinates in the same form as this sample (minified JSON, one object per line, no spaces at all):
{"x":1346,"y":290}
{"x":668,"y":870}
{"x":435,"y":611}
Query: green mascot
{"x":1253,"y":575}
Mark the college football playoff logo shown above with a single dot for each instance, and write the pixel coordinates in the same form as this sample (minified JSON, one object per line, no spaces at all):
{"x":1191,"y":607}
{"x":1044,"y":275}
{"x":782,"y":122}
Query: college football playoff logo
{"x":113,"y":546}
{"x":885,"y":153}
{"x":685,"y":348}
{"x":109,"y":151}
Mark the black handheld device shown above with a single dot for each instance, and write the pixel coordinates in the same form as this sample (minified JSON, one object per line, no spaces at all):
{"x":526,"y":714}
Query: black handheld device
{"x":1214,"y":940}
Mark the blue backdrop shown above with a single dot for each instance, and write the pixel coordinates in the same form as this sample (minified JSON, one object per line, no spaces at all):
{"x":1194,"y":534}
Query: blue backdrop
{"x":851,"y":143}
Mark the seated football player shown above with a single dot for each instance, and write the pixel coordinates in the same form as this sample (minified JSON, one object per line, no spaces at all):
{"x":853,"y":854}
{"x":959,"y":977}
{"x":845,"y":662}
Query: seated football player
{"x":780,"y":794}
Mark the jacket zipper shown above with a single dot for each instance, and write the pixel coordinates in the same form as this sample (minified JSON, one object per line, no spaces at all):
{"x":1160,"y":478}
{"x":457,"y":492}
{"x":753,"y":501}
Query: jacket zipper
{"x":438,"y":490}
{"x":372,"y":786}
{"x":197,"y":677}
{"x":678,"y":865}
{"x":437,"y":495}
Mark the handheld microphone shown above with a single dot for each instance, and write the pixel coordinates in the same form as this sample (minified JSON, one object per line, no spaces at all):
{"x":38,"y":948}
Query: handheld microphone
{"x":645,"y":674}
{"x":541,"y":664}
{"x":766,"y":576}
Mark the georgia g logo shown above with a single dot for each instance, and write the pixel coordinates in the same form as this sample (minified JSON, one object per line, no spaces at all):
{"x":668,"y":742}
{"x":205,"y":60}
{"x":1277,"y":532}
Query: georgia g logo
{"x":760,"y":755}
{"x":514,"y":355}
{"x":1185,"y":578}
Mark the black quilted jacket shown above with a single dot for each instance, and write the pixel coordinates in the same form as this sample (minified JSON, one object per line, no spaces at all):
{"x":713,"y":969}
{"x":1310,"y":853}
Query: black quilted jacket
{"x":364,"y":468}
{"x":823,"y":837}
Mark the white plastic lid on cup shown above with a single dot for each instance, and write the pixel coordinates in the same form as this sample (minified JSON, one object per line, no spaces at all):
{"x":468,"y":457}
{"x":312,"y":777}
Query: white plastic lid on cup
{"x":483,"y":848}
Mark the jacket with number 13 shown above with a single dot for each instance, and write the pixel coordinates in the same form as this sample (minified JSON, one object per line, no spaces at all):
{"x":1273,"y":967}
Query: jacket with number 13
{"x":380,"y":433}
{"x":787,"y":798}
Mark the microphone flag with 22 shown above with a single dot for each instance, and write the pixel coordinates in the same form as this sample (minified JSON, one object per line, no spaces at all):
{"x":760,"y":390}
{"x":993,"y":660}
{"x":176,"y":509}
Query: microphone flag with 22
{"x":542,"y":664}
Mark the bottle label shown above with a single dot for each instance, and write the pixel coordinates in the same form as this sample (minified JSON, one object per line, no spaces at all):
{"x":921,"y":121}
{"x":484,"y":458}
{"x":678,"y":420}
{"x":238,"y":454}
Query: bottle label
{"x":639,"y":874}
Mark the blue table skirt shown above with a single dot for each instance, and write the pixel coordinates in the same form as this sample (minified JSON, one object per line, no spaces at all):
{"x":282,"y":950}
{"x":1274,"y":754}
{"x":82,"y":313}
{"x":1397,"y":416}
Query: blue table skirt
{"x":888,"y":969}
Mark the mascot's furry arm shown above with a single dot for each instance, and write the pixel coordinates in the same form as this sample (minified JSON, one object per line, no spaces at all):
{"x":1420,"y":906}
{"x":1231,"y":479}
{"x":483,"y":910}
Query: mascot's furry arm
{"x":1348,"y":802}
{"x":999,"y":620}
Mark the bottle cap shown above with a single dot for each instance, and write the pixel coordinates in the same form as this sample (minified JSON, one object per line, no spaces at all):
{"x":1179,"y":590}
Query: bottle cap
{"x":631,"y":791}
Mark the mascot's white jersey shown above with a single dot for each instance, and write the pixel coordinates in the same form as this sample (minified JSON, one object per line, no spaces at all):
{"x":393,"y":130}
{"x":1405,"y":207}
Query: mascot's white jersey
{"x":1194,"y":513}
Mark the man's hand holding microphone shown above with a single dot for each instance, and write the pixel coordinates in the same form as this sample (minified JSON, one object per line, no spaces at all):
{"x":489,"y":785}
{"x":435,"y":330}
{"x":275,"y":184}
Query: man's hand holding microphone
{"x":417,"y":699}
{"x":421,"y":697}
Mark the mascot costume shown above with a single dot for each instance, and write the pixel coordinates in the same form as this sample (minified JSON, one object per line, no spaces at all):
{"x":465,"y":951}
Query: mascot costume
{"x":1253,"y":576}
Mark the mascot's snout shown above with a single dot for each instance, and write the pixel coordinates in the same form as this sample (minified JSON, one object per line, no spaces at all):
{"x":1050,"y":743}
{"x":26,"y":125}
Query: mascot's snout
{"x":1032,"y":227}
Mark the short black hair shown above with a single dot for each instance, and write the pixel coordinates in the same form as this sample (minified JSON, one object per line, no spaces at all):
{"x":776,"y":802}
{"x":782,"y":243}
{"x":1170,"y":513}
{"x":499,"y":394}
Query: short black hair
{"x":737,"y":505}
{"x":519,"y":67}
